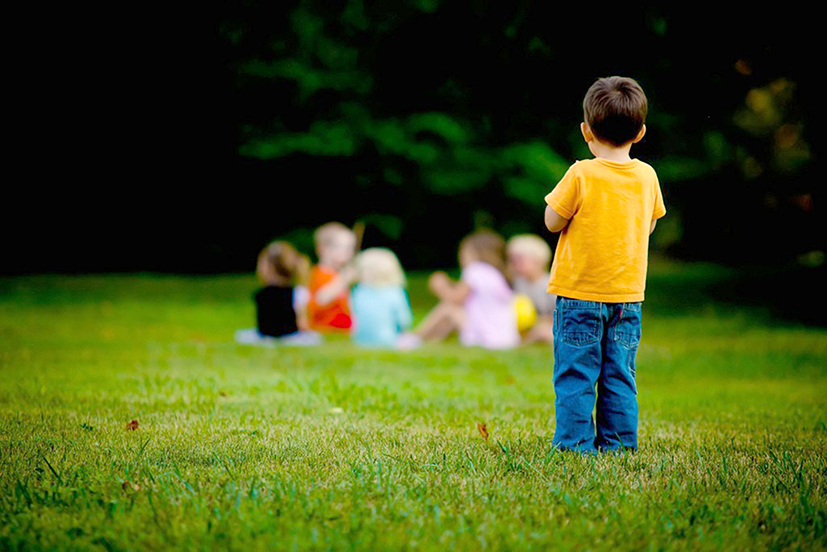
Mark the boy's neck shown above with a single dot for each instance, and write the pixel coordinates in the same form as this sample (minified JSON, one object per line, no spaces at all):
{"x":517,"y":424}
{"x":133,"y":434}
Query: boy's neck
{"x":611,"y":153}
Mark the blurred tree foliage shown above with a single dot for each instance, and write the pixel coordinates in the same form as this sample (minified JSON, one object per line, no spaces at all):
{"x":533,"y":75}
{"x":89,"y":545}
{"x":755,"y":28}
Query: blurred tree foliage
{"x":426,"y":118}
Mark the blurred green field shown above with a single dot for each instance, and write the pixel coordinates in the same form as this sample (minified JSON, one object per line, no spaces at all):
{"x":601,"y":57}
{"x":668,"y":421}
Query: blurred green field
{"x":335,"y":448}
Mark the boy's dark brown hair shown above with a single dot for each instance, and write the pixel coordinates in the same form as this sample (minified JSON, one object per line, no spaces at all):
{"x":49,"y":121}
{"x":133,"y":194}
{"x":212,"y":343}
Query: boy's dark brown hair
{"x":488,"y":246}
{"x":615,"y":109}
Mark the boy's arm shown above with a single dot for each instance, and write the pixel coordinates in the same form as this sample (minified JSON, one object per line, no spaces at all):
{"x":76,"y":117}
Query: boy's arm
{"x":301,"y":297}
{"x":554,"y":221}
{"x":335,"y":287}
{"x":563,"y":202}
{"x":442,"y":286}
{"x":660,"y":209}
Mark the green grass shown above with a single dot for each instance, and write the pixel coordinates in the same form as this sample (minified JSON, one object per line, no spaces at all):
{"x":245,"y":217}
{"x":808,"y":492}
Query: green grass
{"x":338,"y":448}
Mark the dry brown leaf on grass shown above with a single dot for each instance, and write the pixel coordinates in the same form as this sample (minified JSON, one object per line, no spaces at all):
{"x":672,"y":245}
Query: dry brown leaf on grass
{"x":127,"y":485}
{"x":483,"y":430}
{"x":132,"y":426}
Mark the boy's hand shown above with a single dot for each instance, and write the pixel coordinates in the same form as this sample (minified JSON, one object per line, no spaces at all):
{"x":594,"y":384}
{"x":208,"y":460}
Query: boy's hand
{"x":554,"y":221}
{"x":438,"y":282}
{"x":447,"y":290}
{"x":348,"y":274}
{"x":338,"y":286}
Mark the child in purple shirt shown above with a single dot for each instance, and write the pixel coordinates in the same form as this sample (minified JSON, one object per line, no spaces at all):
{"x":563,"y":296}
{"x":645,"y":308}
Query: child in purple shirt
{"x":480,"y":305}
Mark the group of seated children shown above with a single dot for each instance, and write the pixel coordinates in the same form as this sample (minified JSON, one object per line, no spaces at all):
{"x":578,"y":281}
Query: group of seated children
{"x":499,"y":301}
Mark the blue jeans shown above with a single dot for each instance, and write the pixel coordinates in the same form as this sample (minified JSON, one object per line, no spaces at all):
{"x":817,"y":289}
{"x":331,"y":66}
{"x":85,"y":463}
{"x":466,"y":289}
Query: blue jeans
{"x":595,"y":345}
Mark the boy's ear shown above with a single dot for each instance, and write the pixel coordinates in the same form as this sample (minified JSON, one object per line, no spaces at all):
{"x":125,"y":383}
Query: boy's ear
{"x":588,"y":136}
{"x":640,"y":135}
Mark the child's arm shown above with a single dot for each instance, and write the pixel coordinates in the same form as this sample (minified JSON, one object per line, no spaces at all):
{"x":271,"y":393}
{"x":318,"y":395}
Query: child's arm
{"x":447,"y":290}
{"x":554,"y":221}
{"x":335,"y":287}
{"x":301,"y":296}
{"x":660,"y":209}
{"x":564,"y":201}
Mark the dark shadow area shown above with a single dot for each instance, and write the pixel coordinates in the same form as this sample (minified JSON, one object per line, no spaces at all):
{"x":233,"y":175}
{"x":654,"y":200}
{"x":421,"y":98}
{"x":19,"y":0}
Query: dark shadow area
{"x":785,"y":294}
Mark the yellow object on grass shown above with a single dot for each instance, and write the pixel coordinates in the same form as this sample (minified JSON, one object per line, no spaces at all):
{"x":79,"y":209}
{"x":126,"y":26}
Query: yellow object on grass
{"x":525,"y":311}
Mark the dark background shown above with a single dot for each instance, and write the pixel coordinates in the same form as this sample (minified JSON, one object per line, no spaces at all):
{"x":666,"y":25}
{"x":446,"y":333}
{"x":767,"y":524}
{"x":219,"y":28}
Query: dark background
{"x":186,"y":145}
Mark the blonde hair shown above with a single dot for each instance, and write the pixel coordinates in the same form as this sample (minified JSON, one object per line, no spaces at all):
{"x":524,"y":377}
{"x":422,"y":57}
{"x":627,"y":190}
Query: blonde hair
{"x":380,"y":267}
{"x":280,"y":262}
{"x":326,"y":233}
{"x":488,"y":247}
{"x":532,"y":246}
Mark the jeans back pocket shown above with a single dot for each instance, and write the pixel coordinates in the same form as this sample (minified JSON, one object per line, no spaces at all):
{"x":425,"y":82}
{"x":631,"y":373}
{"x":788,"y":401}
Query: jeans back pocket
{"x":579,"y":321}
{"x":627,"y":331}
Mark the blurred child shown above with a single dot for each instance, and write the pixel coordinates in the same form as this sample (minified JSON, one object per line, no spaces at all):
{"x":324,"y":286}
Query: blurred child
{"x":328,"y":308}
{"x":529,"y":260}
{"x":278,"y":312}
{"x":479,"y":305}
{"x":381,"y":309}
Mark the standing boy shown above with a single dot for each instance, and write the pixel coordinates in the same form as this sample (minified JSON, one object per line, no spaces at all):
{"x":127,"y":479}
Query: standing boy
{"x":605,"y":209}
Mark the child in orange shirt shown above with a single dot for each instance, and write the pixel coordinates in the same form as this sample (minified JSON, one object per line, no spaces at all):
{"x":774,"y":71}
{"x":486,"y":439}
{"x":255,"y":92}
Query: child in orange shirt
{"x":605,"y":209}
{"x":328,"y":309}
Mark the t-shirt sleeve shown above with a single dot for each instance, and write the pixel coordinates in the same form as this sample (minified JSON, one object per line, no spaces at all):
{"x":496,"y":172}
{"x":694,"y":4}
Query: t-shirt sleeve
{"x":565,"y":197}
{"x":660,"y":209}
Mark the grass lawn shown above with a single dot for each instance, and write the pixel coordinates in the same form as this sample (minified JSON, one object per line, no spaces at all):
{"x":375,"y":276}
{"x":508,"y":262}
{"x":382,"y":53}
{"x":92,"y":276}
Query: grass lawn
{"x":338,"y":448}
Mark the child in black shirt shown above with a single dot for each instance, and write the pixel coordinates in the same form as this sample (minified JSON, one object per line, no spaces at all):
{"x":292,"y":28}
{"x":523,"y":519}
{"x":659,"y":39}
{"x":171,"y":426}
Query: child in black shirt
{"x":279,"y":304}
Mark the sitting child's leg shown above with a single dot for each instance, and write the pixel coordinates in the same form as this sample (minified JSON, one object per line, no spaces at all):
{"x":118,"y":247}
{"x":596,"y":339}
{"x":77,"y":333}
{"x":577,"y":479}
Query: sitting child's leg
{"x":441,"y":322}
{"x":577,"y":354}
{"x":617,"y":408}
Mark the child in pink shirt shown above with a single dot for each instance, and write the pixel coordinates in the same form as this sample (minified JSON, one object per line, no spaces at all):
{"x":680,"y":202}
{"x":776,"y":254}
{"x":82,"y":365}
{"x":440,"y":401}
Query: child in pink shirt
{"x":480,"y":305}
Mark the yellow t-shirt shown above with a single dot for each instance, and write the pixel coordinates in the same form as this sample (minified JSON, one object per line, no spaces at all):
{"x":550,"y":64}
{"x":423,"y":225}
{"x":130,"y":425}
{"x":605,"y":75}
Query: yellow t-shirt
{"x":602,"y":253}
